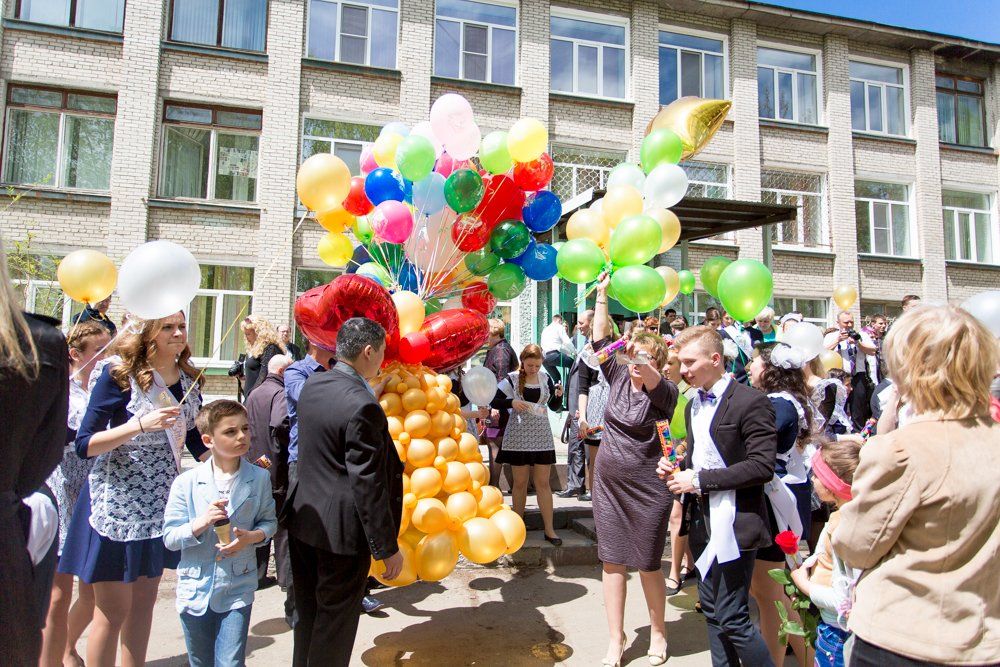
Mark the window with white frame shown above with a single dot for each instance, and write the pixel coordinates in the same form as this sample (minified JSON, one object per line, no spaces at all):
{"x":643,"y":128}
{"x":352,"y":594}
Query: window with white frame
{"x":579,"y":169}
{"x":805,"y":193}
{"x":105,"y":15}
{"x":691,"y":65}
{"x":345,"y":140}
{"x":225,"y":295}
{"x":787,"y":85}
{"x":888,"y":309}
{"x":961,"y":111}
{"x":39,"y":289}
{"x":882,"y":212}
{"x":233,"y":24}
{"x":878,"y":98}
{"x":305,"y":280}
{"x":209,"y":153}
{"x":588,"y":57}
{"x":59,"y":138}
{"x":813,"y":310}
{"x":361,"y":32}
{"x":710,"y":180}
{"x":475,"y":41}
{"x":970,"y":233}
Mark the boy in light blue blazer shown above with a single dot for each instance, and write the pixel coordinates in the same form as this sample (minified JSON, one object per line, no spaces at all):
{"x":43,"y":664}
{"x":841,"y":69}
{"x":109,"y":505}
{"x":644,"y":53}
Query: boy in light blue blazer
{"x":216,"y":514}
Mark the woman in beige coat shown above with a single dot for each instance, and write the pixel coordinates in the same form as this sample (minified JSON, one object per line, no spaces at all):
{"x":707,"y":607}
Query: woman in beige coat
{"x":924,"y":523}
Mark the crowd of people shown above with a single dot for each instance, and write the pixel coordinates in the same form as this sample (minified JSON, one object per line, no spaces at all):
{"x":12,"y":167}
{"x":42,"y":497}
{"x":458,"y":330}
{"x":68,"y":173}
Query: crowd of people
{"x":720,"y":434}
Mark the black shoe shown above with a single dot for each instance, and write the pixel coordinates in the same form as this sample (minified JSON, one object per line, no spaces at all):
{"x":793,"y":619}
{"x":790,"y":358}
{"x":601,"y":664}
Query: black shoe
{"x":370,"y":604}
{"x":585,"y":497}
{"x":671,"y":588}
{"x":569,"y":493}
{"x":266,"y":582}
{"x":554,"y":541}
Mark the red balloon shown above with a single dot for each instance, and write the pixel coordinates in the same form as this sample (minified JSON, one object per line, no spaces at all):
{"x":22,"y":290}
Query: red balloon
{"x":311,"y":318}
{"x":477,"y":296}
{"x":445,"y":165}
{"x":454,"y":336}
{"x":535,"y":175}
{"x":414,"y":348}
{"x":502,"y":200}
{"x":320,"y":311}
{"x":357,"y":201}
{"x":470,"y":233}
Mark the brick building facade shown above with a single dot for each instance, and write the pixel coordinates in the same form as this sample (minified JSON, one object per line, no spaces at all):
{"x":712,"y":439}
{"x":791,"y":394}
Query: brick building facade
{"x":848,"y":120}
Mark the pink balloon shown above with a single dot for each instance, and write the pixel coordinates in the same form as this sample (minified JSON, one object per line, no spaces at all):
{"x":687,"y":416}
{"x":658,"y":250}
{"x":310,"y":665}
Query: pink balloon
{"x":451,"y":114}
{"x":429,"y":247}
{"x":463,"y":144}
{"x":368,"y":163}
{"x":392,"y":221}
{"x":445,"y":165}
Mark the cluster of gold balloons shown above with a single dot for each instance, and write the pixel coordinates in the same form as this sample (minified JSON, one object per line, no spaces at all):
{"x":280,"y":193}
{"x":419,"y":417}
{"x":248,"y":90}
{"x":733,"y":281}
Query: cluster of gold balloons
{"x":449,"y":508}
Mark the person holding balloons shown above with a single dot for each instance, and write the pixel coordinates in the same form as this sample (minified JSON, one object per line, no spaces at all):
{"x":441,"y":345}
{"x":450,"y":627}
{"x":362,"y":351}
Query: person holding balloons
{"x":631,"y":505}
{"x":140,"y":416}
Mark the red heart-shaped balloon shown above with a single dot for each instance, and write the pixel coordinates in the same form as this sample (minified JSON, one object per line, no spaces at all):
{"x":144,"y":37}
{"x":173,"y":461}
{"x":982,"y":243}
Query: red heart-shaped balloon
{"x":454,"y":336}
{"x":322,"y":310}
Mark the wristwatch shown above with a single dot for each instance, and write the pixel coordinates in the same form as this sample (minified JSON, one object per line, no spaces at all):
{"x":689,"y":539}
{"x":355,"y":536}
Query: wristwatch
{"x":696,"y":483}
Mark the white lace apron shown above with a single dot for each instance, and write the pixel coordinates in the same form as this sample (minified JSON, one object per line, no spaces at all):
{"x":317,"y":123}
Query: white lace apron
{"x":527,"y":431}
{"x":783,"y":502}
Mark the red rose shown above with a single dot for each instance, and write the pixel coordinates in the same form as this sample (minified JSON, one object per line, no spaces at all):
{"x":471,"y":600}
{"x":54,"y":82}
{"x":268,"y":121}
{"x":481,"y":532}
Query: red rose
{"x":788,"y":542}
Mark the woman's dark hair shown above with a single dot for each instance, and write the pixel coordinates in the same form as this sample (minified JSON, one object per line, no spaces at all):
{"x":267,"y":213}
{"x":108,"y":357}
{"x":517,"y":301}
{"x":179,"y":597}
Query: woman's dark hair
{"x":789,"y":380}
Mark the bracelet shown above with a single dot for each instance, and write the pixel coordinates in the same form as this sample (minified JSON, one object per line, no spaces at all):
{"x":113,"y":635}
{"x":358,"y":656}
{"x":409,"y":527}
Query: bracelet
{"x":141,"y":429}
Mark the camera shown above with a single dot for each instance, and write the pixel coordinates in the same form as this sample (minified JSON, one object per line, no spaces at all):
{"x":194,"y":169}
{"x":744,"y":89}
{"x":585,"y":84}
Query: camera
{"x":236,"y":370}
{"x":851,"y":333}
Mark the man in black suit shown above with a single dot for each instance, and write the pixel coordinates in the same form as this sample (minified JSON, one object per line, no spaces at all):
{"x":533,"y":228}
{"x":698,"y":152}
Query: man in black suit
{"x":732,"y":445}
{"x":344,"y":509}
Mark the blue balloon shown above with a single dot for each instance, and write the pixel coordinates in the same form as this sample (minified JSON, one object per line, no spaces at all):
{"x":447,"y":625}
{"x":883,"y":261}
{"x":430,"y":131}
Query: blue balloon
{"x":540,"y":263}
{"x":428,"y":194}
{"x":543,"y":211}
{"x":360,"y":257}
{"x":396,"y":126}
{"x":409,"y":277}
{"x":524,"y":255}
{"x":384,"y":184}
{"x":407,"y":191}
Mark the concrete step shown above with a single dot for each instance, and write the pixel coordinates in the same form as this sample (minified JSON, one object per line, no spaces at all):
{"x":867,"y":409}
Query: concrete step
{"x":562,"y":517}
{"x":576,"y":549}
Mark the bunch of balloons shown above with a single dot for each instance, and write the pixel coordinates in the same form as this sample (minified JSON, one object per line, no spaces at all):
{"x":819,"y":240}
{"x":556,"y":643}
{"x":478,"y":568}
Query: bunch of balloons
{"x":448,"y":506}
{"x":743,"y":286}
{"x":439,"y":210}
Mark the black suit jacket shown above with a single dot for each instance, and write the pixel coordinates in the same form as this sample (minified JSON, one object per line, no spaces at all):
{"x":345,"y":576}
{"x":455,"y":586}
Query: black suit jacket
{"x":743,"y":429}
{"x":348,"y":498}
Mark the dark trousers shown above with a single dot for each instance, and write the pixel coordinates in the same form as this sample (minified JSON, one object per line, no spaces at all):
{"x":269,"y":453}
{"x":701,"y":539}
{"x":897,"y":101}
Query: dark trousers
{"x":263,"y":558}
{"x":328,"y":592}
{"x":576,"y":457}
{"x":282,"y":558}
{"x":555,"y":360}
{"x":861,"y":400}
{"x":868,"y":655}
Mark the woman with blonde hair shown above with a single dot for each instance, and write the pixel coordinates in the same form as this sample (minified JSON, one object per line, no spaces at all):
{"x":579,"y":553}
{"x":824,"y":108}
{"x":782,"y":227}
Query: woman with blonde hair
{"x":140,"y":417}
{"x":522,"y":398}
{"x":263,"y":342}
{"x":923,"y":520}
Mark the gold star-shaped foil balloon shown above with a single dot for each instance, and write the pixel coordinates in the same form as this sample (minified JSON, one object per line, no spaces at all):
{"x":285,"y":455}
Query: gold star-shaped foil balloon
{"x":694,"y":119}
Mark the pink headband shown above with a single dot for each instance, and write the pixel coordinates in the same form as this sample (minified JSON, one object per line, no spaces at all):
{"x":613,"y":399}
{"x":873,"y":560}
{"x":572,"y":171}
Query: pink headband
{"x":837,"y":486}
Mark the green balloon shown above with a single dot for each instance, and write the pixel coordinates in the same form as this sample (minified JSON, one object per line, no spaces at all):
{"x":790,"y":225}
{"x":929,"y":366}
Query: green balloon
{"x":506,"y":281}
{"x":686,"y":280}
{"x":481,"y":262}
{"x":376,"y":272}
{"x":635,"y":240}
{"x":509,"y":239}
{"x":678,"y":424}
{"x":363,"y":229}
{"x":493,"y":153}
{"x":639,"y":288}
{"x":415,"y":157}
{"x":710,"y":272}
{"x":463,"y":190}
{"x":433,"y":305}
{"x":580,"y":261}
{"x":661,"y":146}
{"x":745,"y":289}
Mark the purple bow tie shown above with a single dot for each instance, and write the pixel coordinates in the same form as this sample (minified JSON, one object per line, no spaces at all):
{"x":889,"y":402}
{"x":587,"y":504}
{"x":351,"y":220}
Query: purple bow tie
{"x":706,"y":396}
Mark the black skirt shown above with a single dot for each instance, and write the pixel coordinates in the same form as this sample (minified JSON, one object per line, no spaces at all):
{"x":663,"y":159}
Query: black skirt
{"x":545,"y":457}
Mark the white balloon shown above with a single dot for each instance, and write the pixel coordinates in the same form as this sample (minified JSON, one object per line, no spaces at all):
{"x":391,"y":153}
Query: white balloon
{"x":805,"y":336}
{"x":627,"y":174}
{"x":158,"y":279}
{"x":985,"y":307}
{"x":665,"y":186}
{"x":597,"y":206}
{"x":429,"y":246}
{"x":479,"y":385}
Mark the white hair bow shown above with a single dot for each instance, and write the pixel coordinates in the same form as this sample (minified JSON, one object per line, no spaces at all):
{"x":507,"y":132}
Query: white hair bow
{"x":786,"y":356}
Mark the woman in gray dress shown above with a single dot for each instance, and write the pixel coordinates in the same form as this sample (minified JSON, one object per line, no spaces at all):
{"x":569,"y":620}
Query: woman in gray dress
{"x":631,"y":504}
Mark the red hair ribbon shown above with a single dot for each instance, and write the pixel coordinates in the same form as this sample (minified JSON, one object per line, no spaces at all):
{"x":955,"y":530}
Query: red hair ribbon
{"x":837,"y":486}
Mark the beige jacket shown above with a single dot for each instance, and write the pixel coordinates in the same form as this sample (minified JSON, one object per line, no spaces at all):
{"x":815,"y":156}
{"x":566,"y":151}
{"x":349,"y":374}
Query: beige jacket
{"x":925,"y":525}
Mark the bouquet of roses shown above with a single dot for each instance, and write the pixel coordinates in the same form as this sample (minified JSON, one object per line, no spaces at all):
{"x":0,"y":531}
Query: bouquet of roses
{"x":788,"y":542}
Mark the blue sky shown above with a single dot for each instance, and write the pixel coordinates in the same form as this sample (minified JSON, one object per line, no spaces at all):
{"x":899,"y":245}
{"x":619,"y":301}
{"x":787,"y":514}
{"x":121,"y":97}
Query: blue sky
{"x":973,"y":19}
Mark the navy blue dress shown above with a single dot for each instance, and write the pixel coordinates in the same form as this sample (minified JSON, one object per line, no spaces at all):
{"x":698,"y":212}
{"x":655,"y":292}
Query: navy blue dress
{"x":86,"y":553}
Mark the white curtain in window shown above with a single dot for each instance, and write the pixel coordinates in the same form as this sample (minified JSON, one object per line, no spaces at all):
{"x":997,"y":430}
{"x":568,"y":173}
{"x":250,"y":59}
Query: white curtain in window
{"x":185,"y":164}
{"x":244,"y":25}
{"x":53,"y":12}
{"x":100,"y":14}
{"x":32,"y":146}
{"x":87,"y":148}
{"x":195,"y":21}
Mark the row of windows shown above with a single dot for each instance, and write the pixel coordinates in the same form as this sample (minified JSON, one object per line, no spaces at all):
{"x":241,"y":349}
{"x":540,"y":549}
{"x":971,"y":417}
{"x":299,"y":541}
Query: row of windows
{"x":588,"y":56}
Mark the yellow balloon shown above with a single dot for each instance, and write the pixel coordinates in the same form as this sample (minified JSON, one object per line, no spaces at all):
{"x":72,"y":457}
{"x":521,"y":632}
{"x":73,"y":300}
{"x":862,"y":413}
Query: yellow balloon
{"x":587,"y":224}
{"x":414,"y":399}
{"x":478,"y":472}
{"x":404,"y":521}
{"x":447,"y":448}
{"x":481,"y":541}
{"x":445,"y":383}
{"x":670,"y":225}
{"x":527,"y":140}
{"x":420,"y":453}
{"x":323,"y":182}
{"x":411,"y":311}
{"x":425,"y":482}
{"x":406,"y":484}
{"x":461,"y":507}
{"x":429,"y":516}
{"x":417,"y":424}
{"x":620,"y":202}
{"x":694,"y":119}
{"x":87,"y":276}
{"x":457,"y":477}
{"x":672,"y":281}
{"x":392,"y":406}
{"x":395,"y":423}
{"x":409,"y":572}
{"x":335,"y":249}
{"x":512,"y":527}
{"x":845,"y":296}
{"x":490,"y":501}
{"x":830,"y":360}
{"x":384,"y":150}
{"x":442,"y":424}
{"x":400,"y":450}
{"x":451,"y":403}
{"x":412,"y":536}
{"x":336,"y":220}
{"x":468,"y":448}
{"x":437,"y":556}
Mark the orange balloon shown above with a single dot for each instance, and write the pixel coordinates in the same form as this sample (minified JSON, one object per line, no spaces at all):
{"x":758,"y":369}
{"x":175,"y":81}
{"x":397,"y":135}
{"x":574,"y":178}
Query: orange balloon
{"x":478,"y":472}
{"x":400,"y":450}
{"x":425,"y":482}
{"x":420,"y":453}
{"x":468,"y":448}
{"x":490,"y":501}
{"x":670,"y":225}
{"x":445,"y":383}
{"x":461,"y":507}
{"x":452,"y":404}
{"x":395,"y":425}
{"x":391,"y":404}
{"x":417,"y":424}
{"x":335,"y":220}
{"x":87,"y":276}
{"x":830,"y":360}
{"x":672,"y":281}
{"x":442,"y":424}
{"x":457,"y":478}
{"x":481,"y":541}
{"x":414,"y":399}
{"x":512,"y":527}
{"x":409,"y":572}
{"x":587,"y":224}
{"x":412,"y":536}
{"x":323,"y":182}
{"x":447,"y":448}
{"x":406,"y":483}
{"x":436,"y":556}
{"x":429,"y":516}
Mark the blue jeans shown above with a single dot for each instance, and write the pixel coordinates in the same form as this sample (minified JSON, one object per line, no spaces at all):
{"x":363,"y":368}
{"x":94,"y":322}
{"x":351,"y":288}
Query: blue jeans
{"x":217,"y":639}
{"x":830,"y":646}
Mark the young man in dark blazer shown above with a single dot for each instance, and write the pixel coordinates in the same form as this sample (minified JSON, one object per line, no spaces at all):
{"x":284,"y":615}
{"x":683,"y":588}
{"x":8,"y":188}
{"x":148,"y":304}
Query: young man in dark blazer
{"x":731,"y":452}
{"x":344,"y":509}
